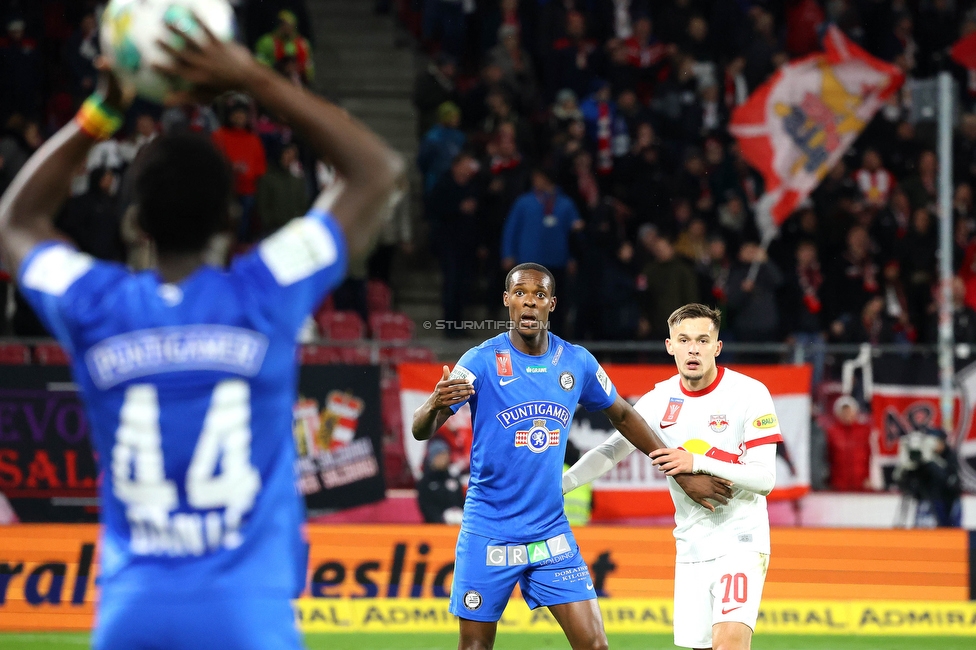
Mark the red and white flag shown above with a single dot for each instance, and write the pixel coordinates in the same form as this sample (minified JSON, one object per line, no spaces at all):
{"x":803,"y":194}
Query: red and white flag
{"x":796,"y":126}
{"x":963,"y":51}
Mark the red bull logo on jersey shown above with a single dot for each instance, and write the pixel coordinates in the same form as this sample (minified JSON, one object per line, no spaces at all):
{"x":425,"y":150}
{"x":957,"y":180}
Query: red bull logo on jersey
{"x":538,"y":438}
{"x":503,"y":363}
{"x":718,"y":423}
{"x":532,"y":410}
{"x":698,"y":446}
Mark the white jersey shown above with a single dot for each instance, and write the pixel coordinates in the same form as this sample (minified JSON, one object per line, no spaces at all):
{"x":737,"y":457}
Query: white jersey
{"x":734,"y":414}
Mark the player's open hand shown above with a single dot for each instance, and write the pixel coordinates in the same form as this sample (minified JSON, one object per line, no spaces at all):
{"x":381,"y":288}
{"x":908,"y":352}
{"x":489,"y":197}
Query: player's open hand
{"x":210,"y":65}
{"x":116,"y":95}
{"x":673,"y":461}
{"x":701,"y":487}
{"x":449,"y":392}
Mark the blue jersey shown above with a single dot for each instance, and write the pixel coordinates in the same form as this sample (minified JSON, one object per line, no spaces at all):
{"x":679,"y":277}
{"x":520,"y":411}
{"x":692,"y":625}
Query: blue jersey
{"x":189,"y":388}
{"x":521,"y":412}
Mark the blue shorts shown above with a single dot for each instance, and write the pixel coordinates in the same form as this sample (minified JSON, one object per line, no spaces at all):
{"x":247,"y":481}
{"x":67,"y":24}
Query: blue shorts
{"x":145,"y":622}
{"x":549,"y":572}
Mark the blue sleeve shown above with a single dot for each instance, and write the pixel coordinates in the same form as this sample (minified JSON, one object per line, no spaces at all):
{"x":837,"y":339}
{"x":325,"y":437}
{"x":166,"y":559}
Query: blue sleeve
{"x":64,"y":287}
{"x":598,"y":391}
{"x":511,"y":228}
{"x":291,"y":272}
{"x":468,"y":368}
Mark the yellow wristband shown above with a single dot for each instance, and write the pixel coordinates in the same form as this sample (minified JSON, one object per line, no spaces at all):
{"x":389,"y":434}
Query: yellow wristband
{"x":98,"y":120}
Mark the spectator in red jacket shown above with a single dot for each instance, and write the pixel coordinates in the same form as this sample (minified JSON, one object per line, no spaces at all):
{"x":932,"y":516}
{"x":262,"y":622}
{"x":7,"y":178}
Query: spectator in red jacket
{"x":244,"y":151}
{"x":849,"y":447}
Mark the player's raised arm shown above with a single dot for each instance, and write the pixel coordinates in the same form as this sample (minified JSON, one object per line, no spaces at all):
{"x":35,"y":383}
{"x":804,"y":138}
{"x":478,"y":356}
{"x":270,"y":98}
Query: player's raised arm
{"x":433,"y":413}
{"x":371,"y":171}
{"x":32,"y":200}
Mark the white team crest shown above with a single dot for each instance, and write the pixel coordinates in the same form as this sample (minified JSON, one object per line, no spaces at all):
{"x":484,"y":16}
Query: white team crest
{"x":718,"y":423}
{"x":472,"y":599}
{"x":538,"y":438}
{"x":566,"y":380}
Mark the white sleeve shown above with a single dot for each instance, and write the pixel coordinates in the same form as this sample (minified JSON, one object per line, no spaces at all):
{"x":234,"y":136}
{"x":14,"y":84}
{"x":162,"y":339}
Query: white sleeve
{"x":597,"y":462}
{"x":756,"y":471}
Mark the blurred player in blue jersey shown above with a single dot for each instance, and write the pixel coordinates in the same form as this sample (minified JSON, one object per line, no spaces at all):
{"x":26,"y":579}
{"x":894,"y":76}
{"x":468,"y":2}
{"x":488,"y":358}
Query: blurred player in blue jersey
{"x":523,"y":387}
{"x":188,"y":372}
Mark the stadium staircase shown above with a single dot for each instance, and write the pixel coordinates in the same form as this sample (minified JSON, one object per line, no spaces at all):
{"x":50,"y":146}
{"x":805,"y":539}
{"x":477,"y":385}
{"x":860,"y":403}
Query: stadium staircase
{"x":367,"y":64}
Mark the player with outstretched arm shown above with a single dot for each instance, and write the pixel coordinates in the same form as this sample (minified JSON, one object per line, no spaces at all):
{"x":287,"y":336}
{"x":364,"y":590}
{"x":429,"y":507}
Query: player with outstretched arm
{"x":523,"y":387}
{"x":722,"y":423}
{"x":188,"y":372}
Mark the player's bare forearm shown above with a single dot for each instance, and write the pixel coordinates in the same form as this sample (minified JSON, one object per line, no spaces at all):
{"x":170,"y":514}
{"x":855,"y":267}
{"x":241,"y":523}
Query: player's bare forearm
{"x":30,"y":204}
{"x":427,"y":420}
{"x":632,"y":426}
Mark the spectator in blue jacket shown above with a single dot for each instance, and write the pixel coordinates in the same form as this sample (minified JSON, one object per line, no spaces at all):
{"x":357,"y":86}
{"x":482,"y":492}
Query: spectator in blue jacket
{"x":441,"y":145}
{"x":539,"y":229}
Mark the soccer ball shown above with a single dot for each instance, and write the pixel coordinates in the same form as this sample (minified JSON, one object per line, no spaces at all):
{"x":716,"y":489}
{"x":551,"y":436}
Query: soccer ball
{"x":130,"y":29}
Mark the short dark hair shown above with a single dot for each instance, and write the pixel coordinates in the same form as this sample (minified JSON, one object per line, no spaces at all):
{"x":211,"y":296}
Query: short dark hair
{"x":695,"y":310}
{"x":530,"y":266}
{"x":182,"y":186}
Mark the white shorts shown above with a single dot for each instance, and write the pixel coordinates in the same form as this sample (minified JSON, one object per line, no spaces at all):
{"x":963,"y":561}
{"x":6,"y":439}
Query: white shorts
{"x":725,"y":589}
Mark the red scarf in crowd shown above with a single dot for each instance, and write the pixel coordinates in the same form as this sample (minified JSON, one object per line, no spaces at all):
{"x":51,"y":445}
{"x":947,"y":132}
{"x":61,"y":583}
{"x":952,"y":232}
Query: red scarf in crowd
{"x":810,"y":281}
{"x":503,"y":163}
{"x":588,"y":189}
{"x":643,"y":55}
{"x":604,"y":154}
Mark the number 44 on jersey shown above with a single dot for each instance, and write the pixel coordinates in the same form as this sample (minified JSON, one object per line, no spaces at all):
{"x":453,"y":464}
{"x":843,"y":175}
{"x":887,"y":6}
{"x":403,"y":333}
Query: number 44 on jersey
{"x":150,"y":498}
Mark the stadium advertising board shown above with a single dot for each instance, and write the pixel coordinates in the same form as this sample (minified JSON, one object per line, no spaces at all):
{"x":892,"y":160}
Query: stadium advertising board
{"x":651,"y":616}
{"x":338,"y":433}
{"x":46,"y":465}
{"x":48,"y":471}
{"x":393,"y":578}
{"x":634,"y":488}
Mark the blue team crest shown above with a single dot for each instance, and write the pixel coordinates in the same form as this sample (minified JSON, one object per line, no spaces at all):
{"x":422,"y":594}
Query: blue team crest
{"x":538,"y":438}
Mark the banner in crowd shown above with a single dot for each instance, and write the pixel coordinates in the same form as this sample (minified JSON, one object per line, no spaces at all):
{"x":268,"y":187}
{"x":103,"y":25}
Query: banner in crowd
{"x":900,"y":409}
{"x":339,"y":434}
{"x":388,"y":577}
{"x":635,"y":488}
{"x":796,"y":126}
{"x":48,"y":471}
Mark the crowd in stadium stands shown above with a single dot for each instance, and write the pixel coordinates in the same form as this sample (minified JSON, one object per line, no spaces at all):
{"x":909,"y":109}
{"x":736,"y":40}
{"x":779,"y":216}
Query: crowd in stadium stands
{"x":47,"y":55}
{"x":590,"y":135}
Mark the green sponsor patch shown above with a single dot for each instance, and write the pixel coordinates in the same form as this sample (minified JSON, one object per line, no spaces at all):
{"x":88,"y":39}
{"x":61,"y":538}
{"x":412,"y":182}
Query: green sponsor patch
{"x":538,"y":552}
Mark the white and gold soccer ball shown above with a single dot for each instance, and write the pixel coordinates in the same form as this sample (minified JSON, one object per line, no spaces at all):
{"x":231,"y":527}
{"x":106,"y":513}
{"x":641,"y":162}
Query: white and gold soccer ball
{"x":131,"y":28}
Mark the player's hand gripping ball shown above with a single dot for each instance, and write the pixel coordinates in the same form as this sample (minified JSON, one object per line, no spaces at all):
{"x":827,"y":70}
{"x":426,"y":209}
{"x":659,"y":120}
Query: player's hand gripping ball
{"x":130,"y":31}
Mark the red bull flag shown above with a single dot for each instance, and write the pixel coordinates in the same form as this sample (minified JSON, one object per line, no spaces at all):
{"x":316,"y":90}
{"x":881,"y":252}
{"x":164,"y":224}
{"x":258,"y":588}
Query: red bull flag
{"x":796,"y":126}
